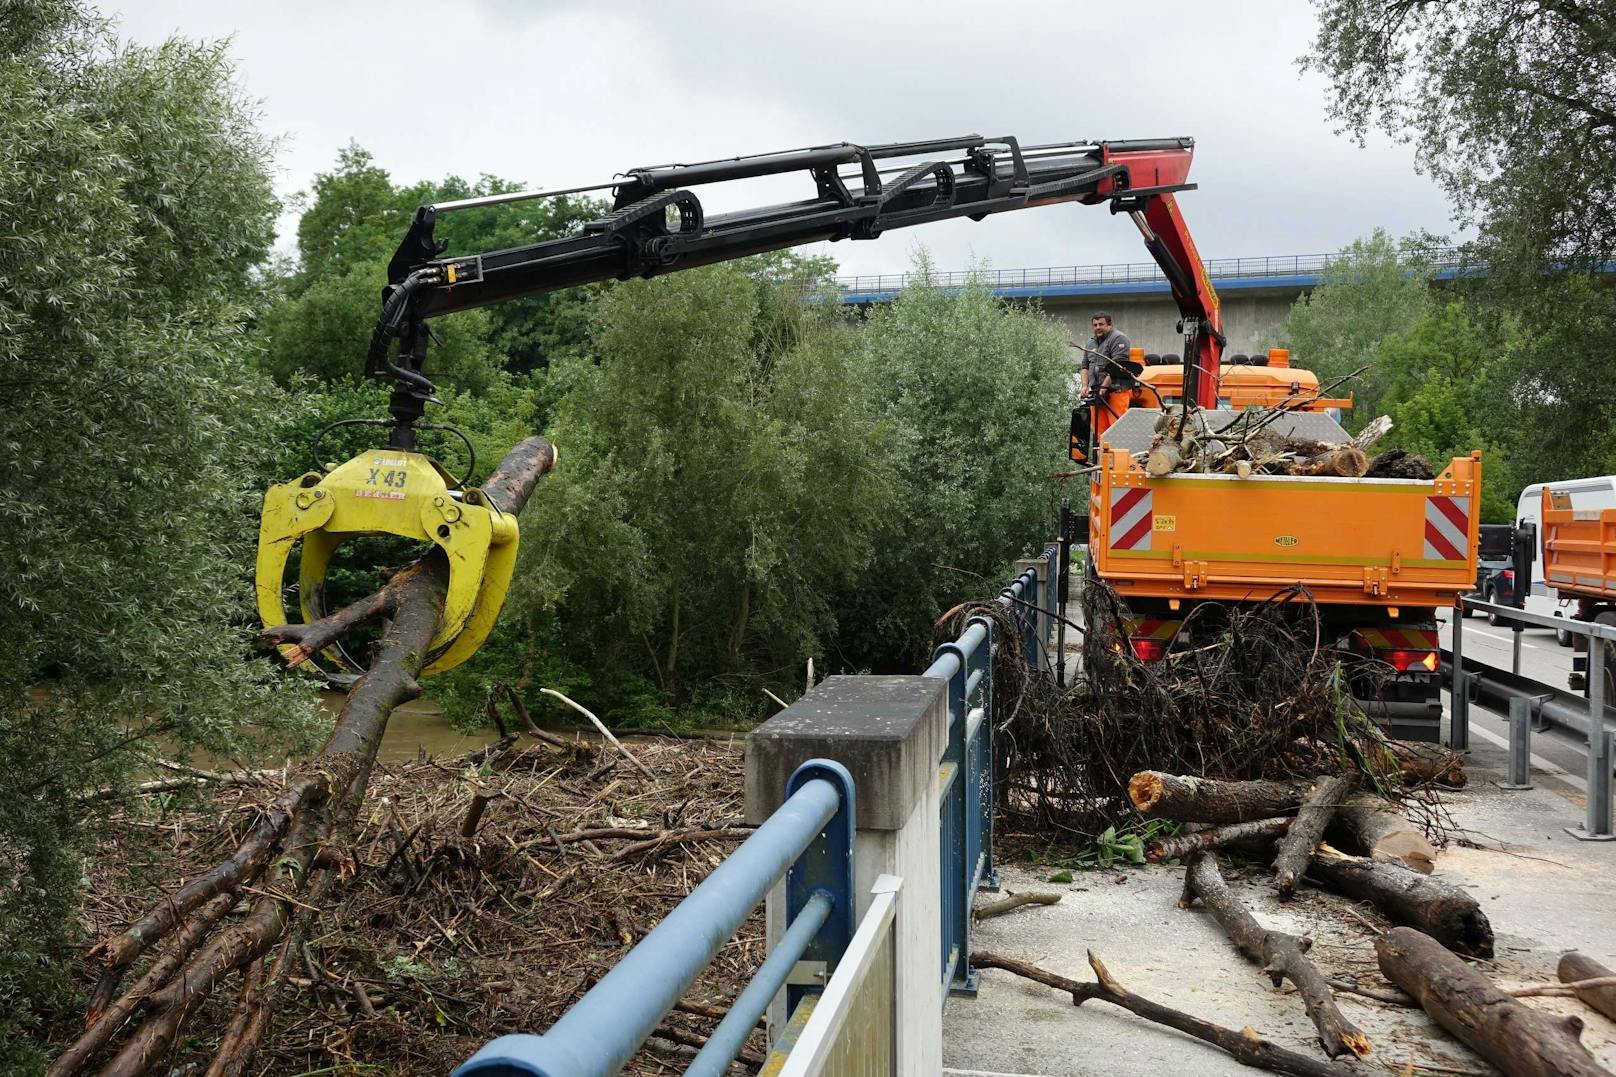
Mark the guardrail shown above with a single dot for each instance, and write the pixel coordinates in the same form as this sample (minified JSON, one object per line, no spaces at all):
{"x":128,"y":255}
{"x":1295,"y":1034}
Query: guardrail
{"x":1526,"y":699}
{"x":1442,"y":261}
{"x":808,"y":841}
{"x":966,"y":771}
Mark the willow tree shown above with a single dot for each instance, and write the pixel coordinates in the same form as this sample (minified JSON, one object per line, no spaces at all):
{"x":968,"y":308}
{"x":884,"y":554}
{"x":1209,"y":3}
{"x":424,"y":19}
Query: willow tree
{"x":1512,"y":107}
{"x":136,"y":203}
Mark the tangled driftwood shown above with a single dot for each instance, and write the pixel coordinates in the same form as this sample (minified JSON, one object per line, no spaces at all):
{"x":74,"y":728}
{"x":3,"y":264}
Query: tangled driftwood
{"x":292,"y":856}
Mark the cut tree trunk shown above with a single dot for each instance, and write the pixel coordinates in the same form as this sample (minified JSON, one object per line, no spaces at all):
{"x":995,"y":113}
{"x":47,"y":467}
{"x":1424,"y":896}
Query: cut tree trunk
{"x":1404,"y":896}
{"x":1369,"y":826}
{"x":1279,"y":955}
{"x":1345,"y":461}
{"x":1245,"y":1045}
{"x":1179,"y":845}
{"x":1519,"y":1040}
{"x":1575,"y":967}
{"x":1297,"y":845}
{"x":1206,"y":800}
{"x":1372,"y":433}
{"x":1425,"y":764}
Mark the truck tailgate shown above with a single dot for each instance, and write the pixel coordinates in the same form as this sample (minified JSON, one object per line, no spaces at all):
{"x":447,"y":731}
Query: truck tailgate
{"x":1579,"y":549}
{"x":1377,"y":541}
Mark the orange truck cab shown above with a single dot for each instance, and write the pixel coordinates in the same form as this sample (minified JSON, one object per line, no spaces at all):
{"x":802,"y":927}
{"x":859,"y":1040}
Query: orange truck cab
{"x":1379,"y":556}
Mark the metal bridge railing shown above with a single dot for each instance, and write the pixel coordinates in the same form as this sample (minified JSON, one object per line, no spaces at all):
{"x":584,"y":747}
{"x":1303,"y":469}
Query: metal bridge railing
{"x":966,"y":771}
{"x":1275,"y":265}
{"x":1528,"y":700}
{"x":809,"y":842}
{"x":845,"y":1022}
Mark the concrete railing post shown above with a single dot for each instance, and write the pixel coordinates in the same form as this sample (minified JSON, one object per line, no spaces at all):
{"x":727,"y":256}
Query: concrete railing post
{"x":890,"y":733}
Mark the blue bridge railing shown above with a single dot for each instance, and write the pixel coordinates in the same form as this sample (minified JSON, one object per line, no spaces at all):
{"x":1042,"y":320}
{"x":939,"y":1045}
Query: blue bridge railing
{"x":966,"y":773}
{"x":809,"y":842}
{"x":1442,"y":263}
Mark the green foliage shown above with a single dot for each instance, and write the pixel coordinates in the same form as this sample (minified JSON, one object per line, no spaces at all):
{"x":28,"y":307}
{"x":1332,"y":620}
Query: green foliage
{"x":323,"y":331}
{"x":1448,"y":394}
{"x":721,"y":478}
{"x":137,"y":200}
{"x":1443,"y":362}
{"x":1376,"y":289}
{"x":1560,"y":409}
{"x":748,"y":480}
{"x":353,"y":221}
{"x":1111,"y":848}
{"x":1512,"y":108}
{"x":978,"y":398}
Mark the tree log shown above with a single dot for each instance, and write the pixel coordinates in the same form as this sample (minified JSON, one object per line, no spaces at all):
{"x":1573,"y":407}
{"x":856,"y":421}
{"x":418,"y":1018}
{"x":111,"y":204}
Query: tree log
{"x":1425,"y":764}
{"x":1279,"y":955}
{"x":1164,"y":459}
{"x":1575,"y":967}
{"x":1012,"y":903}
{"x":1519,"y":1040}
{"x":1245,"y":1045}
{"x":1297,"y":844}
{"x":1346,"y":461}
{"x":1206,"y":800}
{"x":1372,"y":433}
{"x":1180,"y":845}
{"x":1370,"y":826}
{"x":1404,"y":896}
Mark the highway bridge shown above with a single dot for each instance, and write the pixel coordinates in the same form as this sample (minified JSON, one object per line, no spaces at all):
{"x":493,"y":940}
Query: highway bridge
{"x":1257,"y":293}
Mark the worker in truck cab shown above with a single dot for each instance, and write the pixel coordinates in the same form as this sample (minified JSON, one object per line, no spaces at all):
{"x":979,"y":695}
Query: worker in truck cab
{"x":1107,"y":354}
{"x":1111,"y":365}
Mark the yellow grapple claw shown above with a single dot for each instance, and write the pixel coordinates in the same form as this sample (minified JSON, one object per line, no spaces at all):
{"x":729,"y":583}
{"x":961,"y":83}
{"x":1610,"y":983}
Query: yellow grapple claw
{"x":389,"y":492}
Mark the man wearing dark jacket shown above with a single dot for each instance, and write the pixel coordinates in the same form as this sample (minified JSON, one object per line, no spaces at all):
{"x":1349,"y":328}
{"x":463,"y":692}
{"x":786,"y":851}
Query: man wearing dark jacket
{"x":1107,"y":355}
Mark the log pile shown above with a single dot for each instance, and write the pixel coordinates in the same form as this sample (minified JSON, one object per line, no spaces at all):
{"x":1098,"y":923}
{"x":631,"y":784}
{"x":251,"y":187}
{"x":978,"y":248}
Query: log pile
{"x":1252,"y":444}
{"x":457,"y":924}
{"x":1438,"y":926}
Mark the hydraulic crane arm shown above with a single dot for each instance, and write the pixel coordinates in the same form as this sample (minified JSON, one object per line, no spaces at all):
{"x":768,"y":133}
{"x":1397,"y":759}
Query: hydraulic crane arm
{"x":659,"y":225}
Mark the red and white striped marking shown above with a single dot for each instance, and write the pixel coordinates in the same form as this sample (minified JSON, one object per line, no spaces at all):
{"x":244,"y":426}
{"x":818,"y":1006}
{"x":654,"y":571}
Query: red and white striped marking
{"x":1131,"y":518}
{"x":1447,"y":528}
{"x":1389,"y":638}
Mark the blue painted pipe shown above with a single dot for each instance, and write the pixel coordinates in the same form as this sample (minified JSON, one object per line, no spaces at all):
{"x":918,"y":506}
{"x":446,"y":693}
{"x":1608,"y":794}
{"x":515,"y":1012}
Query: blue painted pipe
{"x":601,"y":1032}
{"x":730,"y":1035}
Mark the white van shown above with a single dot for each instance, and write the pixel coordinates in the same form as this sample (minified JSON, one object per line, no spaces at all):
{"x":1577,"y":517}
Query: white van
{"x":1595,"y":493}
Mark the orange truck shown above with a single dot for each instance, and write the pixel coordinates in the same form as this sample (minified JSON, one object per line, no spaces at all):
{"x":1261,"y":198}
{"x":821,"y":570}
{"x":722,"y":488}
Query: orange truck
{"x":1378,"y":555}
{"x":1579,"y":563}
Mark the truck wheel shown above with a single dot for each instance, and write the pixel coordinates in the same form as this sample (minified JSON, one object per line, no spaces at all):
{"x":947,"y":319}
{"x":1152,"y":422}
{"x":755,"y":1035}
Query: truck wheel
{"x":1561,"y":636}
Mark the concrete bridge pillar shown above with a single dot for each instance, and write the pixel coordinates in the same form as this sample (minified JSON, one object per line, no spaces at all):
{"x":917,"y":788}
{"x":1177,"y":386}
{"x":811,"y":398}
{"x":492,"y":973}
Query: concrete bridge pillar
{"x":890,"y":733}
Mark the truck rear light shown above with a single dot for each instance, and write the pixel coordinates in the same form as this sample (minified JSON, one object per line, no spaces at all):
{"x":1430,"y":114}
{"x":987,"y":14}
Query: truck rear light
{"x":1407,"y":661}
{"x":1149,"y":650}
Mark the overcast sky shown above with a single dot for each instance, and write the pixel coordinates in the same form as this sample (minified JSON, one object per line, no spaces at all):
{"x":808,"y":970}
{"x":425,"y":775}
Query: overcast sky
{"x":568,"y":92}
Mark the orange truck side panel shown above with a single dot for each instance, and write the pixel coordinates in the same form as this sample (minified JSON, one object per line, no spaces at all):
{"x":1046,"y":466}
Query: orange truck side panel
{"x":1579,"y":550}
{"x":1349,"y":541}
